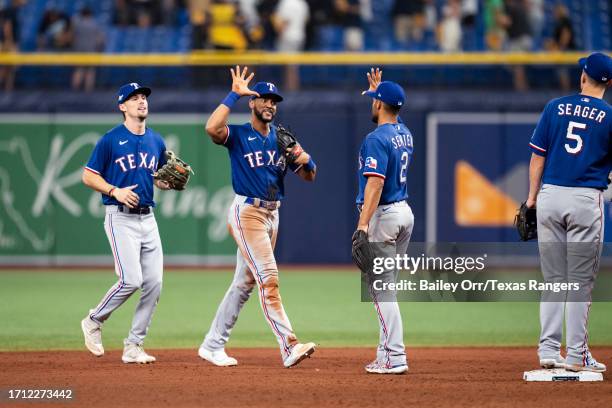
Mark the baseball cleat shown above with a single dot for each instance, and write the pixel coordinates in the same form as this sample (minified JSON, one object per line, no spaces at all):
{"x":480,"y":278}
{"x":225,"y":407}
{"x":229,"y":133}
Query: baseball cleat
{"x":591,"y":365}
{"x":554,"y":362}
{"x":377,"y":368}
{"x":218,"y":357}
{"x":134,"y":353}
{"x":93,"y":336}
{"x":298,"y":353}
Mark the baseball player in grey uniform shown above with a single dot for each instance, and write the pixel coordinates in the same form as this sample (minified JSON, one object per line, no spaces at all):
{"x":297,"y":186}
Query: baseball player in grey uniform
{"x":121,"y":168}
{"x":385,"y":216}
{"x":569,"y":168}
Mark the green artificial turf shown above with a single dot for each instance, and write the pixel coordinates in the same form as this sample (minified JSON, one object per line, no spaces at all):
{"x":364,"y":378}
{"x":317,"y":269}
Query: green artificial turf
{"x":42,"y":310}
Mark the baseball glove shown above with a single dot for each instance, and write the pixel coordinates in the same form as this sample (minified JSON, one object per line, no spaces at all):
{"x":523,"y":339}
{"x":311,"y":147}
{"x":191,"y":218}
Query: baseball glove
{"x":287,"y":144}
{"x":526,"y":223}
{"x":175,"y":172}
{"x":362,"y":252}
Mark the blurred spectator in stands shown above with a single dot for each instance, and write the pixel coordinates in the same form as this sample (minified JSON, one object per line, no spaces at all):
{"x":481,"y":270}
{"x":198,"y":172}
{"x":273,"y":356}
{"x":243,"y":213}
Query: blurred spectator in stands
{"x":347,"y":14}
{"x":535,"y":10}
{"x":519,"y":29}
{"x":227,"y":26}
{"x":199,"y":18}
{"x":265,"y":11}
{"x":248,"y":8}
{"x":449,"y":30}
{"x":9,"y":40}
{"x":146,"y":12}
{"x":519,"y":38}
{"x":496,"y":23}
{"x":170,"y":11}
{"x":409,"y":21}
{"x":562,"y":40}
{"x":253,"y":28}
{"x":320,"y":25}
{"x":123,"y":15}
{"x":290,"y":21}
{"x":143,"y":19}
{"x":54,"y":31}
{"x":469,"y":12}
{"x":87,"y":36}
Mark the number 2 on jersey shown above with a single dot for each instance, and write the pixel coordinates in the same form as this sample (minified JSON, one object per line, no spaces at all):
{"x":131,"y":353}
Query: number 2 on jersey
{"x":404,"y":163}
{"x":571,"y":135}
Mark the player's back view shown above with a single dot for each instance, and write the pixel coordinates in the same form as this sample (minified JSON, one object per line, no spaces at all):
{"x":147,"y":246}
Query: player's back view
{"x":571,"y":158}
{"x":385,"y":216}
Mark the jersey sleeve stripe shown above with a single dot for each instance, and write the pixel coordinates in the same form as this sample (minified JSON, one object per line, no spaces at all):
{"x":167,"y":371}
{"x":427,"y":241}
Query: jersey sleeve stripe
{"x":228,"y":134}
{"x":371,"y":173}
{"x":537,"y":147}
{"x":92,"y":170}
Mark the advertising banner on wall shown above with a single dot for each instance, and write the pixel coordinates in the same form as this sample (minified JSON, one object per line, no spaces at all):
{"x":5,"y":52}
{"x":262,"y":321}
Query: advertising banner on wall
{"x":49,"y":217}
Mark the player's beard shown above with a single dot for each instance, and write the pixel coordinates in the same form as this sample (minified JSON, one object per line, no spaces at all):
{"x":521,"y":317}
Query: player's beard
{"x":374,"y":117}
{"x":259,"y":114}
{"x":374,"y":113}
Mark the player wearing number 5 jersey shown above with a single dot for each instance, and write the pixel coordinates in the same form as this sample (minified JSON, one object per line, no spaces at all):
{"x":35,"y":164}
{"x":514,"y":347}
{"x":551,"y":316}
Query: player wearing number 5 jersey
{"x":385,"y":215}
{"x":569,"y":169}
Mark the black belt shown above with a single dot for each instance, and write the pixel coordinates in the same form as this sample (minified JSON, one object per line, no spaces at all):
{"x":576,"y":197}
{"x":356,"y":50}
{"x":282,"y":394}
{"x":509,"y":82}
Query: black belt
{"x":137,"y":210}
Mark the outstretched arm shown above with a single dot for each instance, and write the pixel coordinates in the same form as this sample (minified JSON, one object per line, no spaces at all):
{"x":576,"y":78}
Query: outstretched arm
{"x":216,"y":126}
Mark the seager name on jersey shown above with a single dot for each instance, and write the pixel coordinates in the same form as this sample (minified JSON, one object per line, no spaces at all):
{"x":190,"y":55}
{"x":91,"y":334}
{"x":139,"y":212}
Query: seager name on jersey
{"x":586,"y":112}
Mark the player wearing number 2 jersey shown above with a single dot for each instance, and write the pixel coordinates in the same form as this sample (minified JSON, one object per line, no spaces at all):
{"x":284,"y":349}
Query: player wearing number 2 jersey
{"x":571,"y":160}
{"x":385,"y":216}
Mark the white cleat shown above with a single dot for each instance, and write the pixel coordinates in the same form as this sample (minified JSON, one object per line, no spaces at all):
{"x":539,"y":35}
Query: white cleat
{"x":134,"y":353}
{"x":93,"y":336}
{"x":377,"y":368}
{"x":298,"y":353}
{"x":554,"y":362}
{"x":591,"y":365}
{"x":218,"y":357}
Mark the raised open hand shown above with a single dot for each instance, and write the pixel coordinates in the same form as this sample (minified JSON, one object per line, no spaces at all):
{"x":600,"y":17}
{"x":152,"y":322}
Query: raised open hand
{"x":374,"y":78}
{"x":240,"y":81}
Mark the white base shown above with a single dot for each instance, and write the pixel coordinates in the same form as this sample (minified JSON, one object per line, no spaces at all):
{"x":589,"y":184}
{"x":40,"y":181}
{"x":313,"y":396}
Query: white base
{"x":560,"y":374}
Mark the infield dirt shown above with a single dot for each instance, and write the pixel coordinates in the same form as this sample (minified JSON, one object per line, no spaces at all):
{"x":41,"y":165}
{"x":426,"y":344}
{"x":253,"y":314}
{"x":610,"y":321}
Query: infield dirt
{"x":440,"y":377}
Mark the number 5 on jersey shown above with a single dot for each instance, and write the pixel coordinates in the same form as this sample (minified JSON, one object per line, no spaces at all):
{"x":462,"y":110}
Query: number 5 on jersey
{"x":572,"y":136}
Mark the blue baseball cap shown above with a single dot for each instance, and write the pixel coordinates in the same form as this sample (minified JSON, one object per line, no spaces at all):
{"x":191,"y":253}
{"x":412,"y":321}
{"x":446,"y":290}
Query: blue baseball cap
{"x":267,"y":89}
{"x":130,"y":89}
{"x":597,"y":66}
{"x":389,"y":92}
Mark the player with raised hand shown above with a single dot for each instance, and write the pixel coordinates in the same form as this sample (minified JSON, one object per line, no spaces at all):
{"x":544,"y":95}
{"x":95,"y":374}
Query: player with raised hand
{"x":122,"y":168}
{"x":260,"y":154}
{"x":385,"y":215}
{"x":569,"y":168}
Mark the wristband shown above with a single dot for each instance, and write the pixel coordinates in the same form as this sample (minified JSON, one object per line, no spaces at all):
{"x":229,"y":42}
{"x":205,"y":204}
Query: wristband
{"x":310,"y":166}
{"x":110,"y":192}
{"x":230,"y":99}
